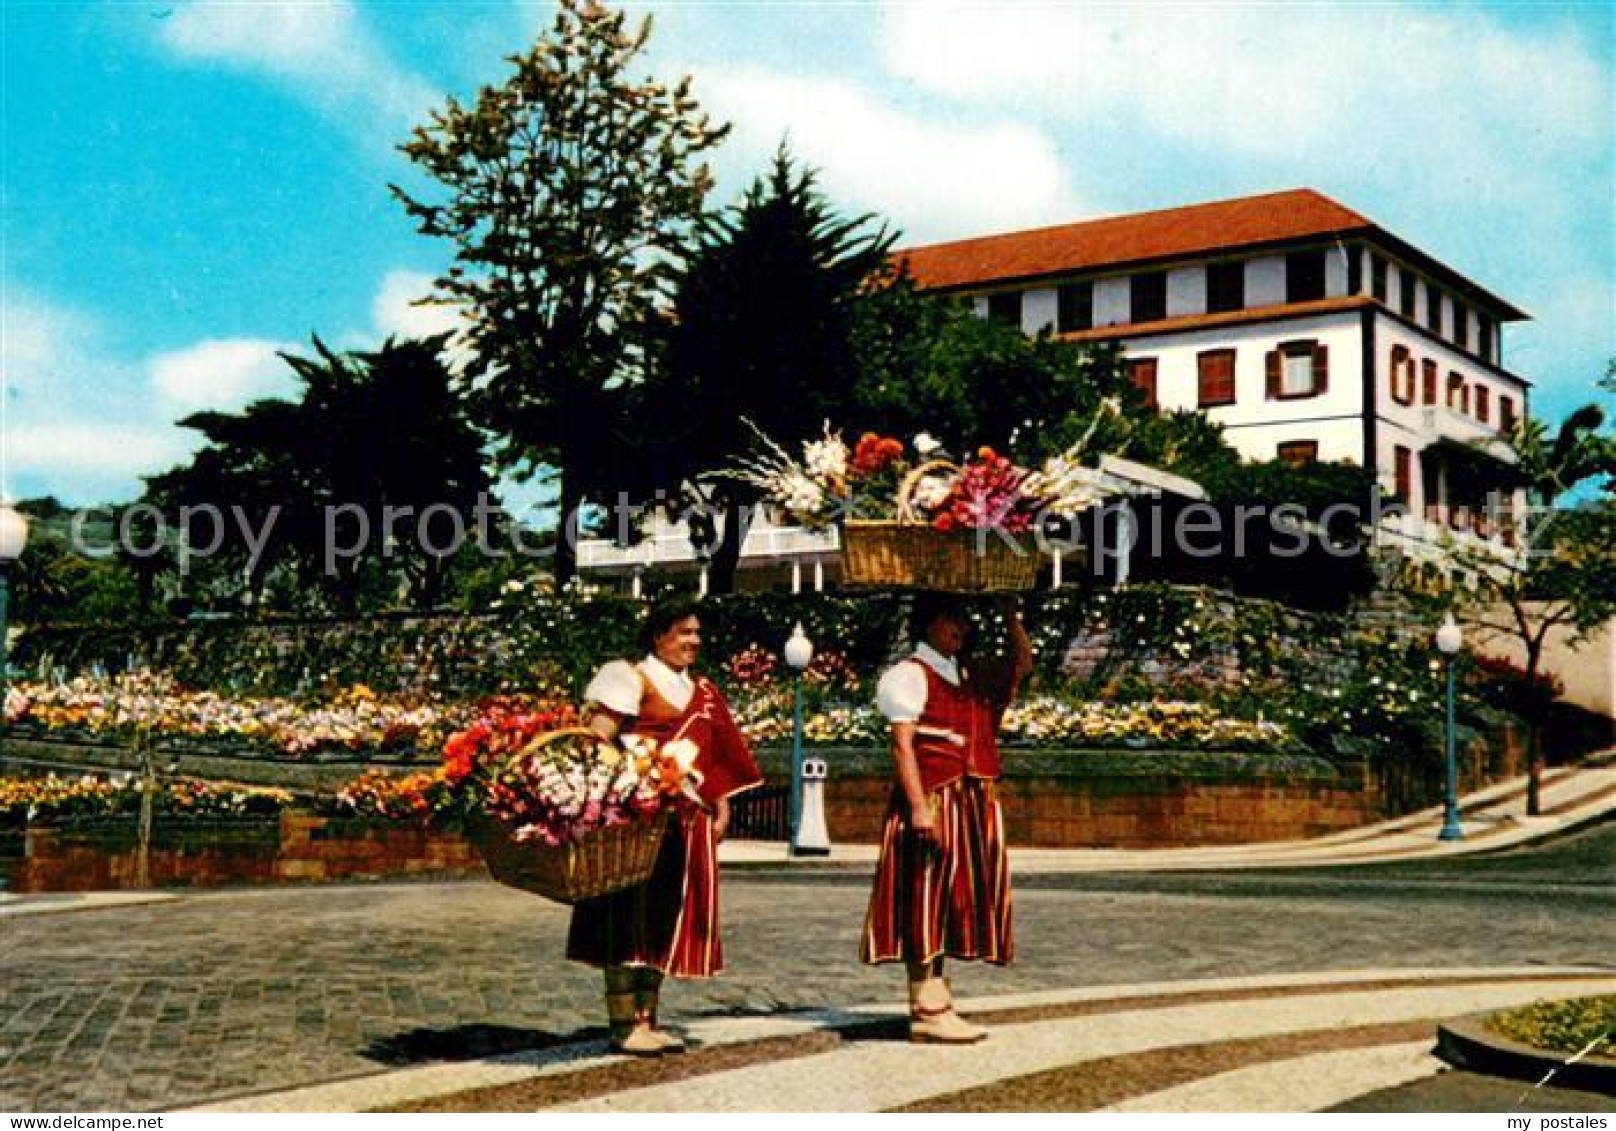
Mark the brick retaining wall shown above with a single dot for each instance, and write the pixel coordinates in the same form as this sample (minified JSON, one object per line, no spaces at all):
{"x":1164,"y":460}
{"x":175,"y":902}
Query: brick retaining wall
{"x":1145,"y":799}
{"x":296,"y":848}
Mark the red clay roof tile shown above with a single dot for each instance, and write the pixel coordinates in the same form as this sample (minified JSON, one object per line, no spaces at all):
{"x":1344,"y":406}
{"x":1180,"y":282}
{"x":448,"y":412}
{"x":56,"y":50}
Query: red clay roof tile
{"x":1191,"y":230}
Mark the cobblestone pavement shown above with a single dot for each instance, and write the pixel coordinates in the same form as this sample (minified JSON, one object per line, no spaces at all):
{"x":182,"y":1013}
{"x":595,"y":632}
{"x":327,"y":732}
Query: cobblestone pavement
{"x":228,"y":992}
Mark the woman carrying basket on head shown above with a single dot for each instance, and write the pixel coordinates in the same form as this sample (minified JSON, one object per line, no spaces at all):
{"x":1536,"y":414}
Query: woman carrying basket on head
{"x":942,"y":884}
{"x":668,"y":926}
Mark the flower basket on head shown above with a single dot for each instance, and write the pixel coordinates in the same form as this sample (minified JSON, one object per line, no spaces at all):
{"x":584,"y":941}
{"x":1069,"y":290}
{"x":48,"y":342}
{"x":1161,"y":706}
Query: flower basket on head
{"x":571,"y":816}
{"x":910,"y":552}
{"x":898,"y":555}
{"x":967,"y":527}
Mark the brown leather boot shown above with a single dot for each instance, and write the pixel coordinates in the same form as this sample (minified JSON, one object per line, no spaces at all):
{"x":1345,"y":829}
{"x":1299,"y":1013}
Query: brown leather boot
{"x":932,"y":1019}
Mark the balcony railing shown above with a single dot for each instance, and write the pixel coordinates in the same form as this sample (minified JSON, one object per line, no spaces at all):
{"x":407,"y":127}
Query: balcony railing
{"x":763,"y":543}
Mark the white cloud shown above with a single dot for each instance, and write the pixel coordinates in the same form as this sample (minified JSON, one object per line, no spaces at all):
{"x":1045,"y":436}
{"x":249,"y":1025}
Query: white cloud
{"x":932,"y":177}
{"x":78,"y":420}
{"x":221,"y":374}
{"x":85,"y":450}
{"x":1305,"y":81}
{"x":36,"y":335}
{"x":396,"y":309}
{"x":321,"y":50}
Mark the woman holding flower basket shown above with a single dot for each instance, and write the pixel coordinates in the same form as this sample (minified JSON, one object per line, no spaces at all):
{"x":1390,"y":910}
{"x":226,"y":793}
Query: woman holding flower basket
{"x":942,"y":886}
{"x":667,"y":926}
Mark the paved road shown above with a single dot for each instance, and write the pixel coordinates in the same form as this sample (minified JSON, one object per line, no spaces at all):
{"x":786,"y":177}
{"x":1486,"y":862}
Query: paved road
{"x":225,"y":992}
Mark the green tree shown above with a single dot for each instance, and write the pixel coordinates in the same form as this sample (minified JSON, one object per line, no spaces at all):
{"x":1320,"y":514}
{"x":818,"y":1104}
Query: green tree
{"x":1564,"y":577}
{"x":337,"y":485}
{"x":566,"y":192}
{"x":929,"y":364}
{"x":54,"y":582}
{"x":761,"y":330}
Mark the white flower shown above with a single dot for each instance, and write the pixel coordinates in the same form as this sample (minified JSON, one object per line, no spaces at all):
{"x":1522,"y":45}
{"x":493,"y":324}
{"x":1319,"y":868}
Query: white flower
{"x":638,"y":744}
{"x":801,"y":495}
{"x":826,"y":459}
{"x":930,"y":492}
{"x":683,"y":752}
{"x":925,"y":445}
{"x":513,"y":586}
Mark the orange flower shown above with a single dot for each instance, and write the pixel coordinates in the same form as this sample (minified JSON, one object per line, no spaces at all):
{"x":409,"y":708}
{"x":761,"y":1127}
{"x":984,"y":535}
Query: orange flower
{"x":986,"y":454}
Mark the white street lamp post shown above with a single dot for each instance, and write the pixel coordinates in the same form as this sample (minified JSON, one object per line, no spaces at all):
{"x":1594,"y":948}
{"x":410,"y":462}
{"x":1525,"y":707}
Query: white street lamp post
{"x":1449,"y":639}
{"x":13,"y":537}
{"x":799,"y":652}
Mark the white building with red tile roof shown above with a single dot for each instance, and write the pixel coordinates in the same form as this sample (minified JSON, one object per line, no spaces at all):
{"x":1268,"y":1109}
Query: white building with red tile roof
{"x":1305,"y":329}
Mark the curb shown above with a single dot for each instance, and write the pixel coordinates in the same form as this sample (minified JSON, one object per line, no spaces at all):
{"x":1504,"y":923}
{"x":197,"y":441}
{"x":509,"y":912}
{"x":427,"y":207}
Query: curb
{"x":1467,"y":1043}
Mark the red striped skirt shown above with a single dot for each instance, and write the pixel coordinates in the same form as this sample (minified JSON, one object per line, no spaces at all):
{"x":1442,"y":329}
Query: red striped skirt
{"x":670,"y":922}
{"x":950,"y":900}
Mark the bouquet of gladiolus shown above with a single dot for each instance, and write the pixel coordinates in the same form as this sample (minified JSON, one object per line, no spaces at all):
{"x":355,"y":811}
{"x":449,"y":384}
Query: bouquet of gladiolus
{"x":882,"y":478}
{"x":918,"y":519}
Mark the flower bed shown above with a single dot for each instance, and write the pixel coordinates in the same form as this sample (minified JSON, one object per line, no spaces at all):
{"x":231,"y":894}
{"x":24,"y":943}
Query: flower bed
{"x":1581,"y":1025}
{"x":1051,"y":721}
{"x":837,"y":712}
{"x":65,"y":801}
{"x":121,"y":707}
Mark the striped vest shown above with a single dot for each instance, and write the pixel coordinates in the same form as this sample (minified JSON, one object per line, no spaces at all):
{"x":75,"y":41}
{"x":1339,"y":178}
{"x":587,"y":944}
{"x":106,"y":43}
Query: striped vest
{"x":962,"y":711}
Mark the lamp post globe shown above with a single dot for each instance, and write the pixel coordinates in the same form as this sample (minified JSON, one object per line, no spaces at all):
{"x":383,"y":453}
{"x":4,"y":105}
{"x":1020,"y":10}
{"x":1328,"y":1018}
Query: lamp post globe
{"x":13,"y":536}
{"x":1449,"y":639}
{"x":13,"y":533}
{"x":799,"y":649}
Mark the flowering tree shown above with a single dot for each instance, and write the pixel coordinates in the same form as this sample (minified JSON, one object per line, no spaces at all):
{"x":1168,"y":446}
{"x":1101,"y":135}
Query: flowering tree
{"x":568,"y":192}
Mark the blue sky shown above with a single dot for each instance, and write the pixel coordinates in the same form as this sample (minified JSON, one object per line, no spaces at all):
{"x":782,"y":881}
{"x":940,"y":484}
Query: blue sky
{"x":190,"y":187}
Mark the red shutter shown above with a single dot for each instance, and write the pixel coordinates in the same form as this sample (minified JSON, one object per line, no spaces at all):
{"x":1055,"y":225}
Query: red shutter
{"x":1430,"y":382}
{"x":1403,"y":380}
{"x":1321,"y":369}
{"x":1273,"y":363}
{"x":1142,"y":373}
{"x":1405,"y":475}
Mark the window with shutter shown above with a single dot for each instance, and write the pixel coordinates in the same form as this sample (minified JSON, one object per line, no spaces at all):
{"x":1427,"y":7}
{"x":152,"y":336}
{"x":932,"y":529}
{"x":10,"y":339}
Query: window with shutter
{"x":1142,"y":375}
{"x":1458,"y":393}
{"x":1428,"y":367}
{"x":1298,"y":452}
{"x":1215,"y":372}
{"x":1402,"y":375}
{"x":1298,"y":369}
{"x":1484,"y":405}
{"x":1506,"y":413}
{"x":1405,"y":474}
